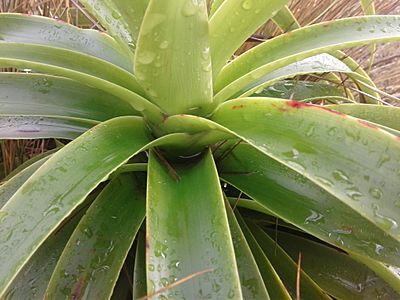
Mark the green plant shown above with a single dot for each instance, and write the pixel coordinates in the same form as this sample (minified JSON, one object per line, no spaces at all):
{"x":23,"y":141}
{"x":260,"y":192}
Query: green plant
{"x":320,"y":180}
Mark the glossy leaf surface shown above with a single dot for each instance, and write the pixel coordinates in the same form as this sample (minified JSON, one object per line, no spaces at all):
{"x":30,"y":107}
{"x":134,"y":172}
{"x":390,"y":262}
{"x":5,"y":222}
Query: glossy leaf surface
{"x":388,"y":116}
{"x":60,"y":185}
{"x":318,"y":64}
{"x":119,"y":17}
{"x":139,"y":288}
{"x":233,"y":23}
{"x":31,"y":127}
{"x":317,"y":153}
{"x":38,"y":94}
{"x":302,"y":203}
{"x":93,"y":257}
{"x":308,"y":41}
{"x":300,"y":90}
{"x":335,"y":271}
{"x":272,"y":281}
{"x":30,"y":54}
{"x":32,"y":281}
{"x":287,"y":267}
{"x":45,"y":31}
{"x":172,"y":59}
{"x":250,"y":278}
{"x":188,"y":233}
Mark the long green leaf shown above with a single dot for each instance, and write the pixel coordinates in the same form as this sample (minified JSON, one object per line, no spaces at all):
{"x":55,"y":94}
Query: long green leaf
{"x":311,"y":208}
{"x":172,"y":59}
{"x":188,"y":234}
{"x":9,"y":187}
{"x":287,"y":267}
{"x":31,"y":282}
{"x":139,"y":275}
{"x":345,"y":157}
{"x":384,"y":115}
{"x":59,"y":186}
{"x":67,"y":59}
{"x":121,"y":19}
{"x":288,"y":22}
{"x":250,"y":278}
{"x":305,"y":42}
{"x":274,"y":284}
{"x":335,"y":271}
{"x":13,"y":56}
{"x":45,"y":31}
{"x":93,"y":257}
{"x":233,"y":23}
{"x":32,"y":127}
{"x":322,"y":63}
{"x":38,"y":94}
{"x":300,"y":90}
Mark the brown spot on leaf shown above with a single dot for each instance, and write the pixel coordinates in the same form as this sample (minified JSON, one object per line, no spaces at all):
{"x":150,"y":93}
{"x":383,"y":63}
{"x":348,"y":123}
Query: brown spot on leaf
{"x":238,"y":106}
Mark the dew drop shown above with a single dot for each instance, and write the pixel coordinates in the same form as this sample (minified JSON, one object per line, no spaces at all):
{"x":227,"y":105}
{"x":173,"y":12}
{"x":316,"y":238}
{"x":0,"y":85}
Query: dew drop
{"x":376,"y":193}
{"x":332,"y":131}
{"x":340,"y":176}
{"x":146,"y":57}
{"x":248,"y":4}
{"x":164,"y":45}
{"x":314,"y":217}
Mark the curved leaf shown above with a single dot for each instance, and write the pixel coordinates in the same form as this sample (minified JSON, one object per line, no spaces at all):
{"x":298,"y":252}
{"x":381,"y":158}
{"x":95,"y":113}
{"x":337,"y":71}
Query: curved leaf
{"x":286,"y":267}
{"x":233,"y":23}
{"x":121,"y":19}
{"x":345,"y":157}
{"x":287,"y":22}
{"x":300,"y":90}
{"x":188,"y":234}
{"x":31,"y":282}
{"x":12,"y":53}
{"x":38,"y":94}
{"x":139,"y":275}
{"x":175,"y":67}
{"x":45,"y":31}
{"x":305,"y":42}
{"x":335,"y":271}
{"x":33,"y":127}
{"x":322,"y":63}
{"x":9,"y":187}
{"x":138,"y":103}
{"x":60,"y":185}
{"x":302,"y":203}
{"x":276,"y":288}
{"x":380,"y":114}
{"x":93,"y":257}
{"x":250,"y":278}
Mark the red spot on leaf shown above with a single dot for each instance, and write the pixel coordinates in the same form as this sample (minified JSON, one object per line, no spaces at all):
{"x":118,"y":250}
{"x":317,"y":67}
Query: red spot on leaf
{"x":332,"y":111}
{"x":238,"y":106}
{"x":365,"y":123}
{"x":296,"y":104}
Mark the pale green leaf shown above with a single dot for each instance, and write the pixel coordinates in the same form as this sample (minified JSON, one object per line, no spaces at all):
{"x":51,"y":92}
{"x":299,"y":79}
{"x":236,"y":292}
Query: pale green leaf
{"x":172,"y":59}
{"x":188,"y":232}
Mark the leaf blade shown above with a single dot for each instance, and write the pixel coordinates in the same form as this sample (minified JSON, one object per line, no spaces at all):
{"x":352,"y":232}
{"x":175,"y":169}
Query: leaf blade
{"x":175,"y":237}
{"x":181,"y":28}
{"x":93,"y":257}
